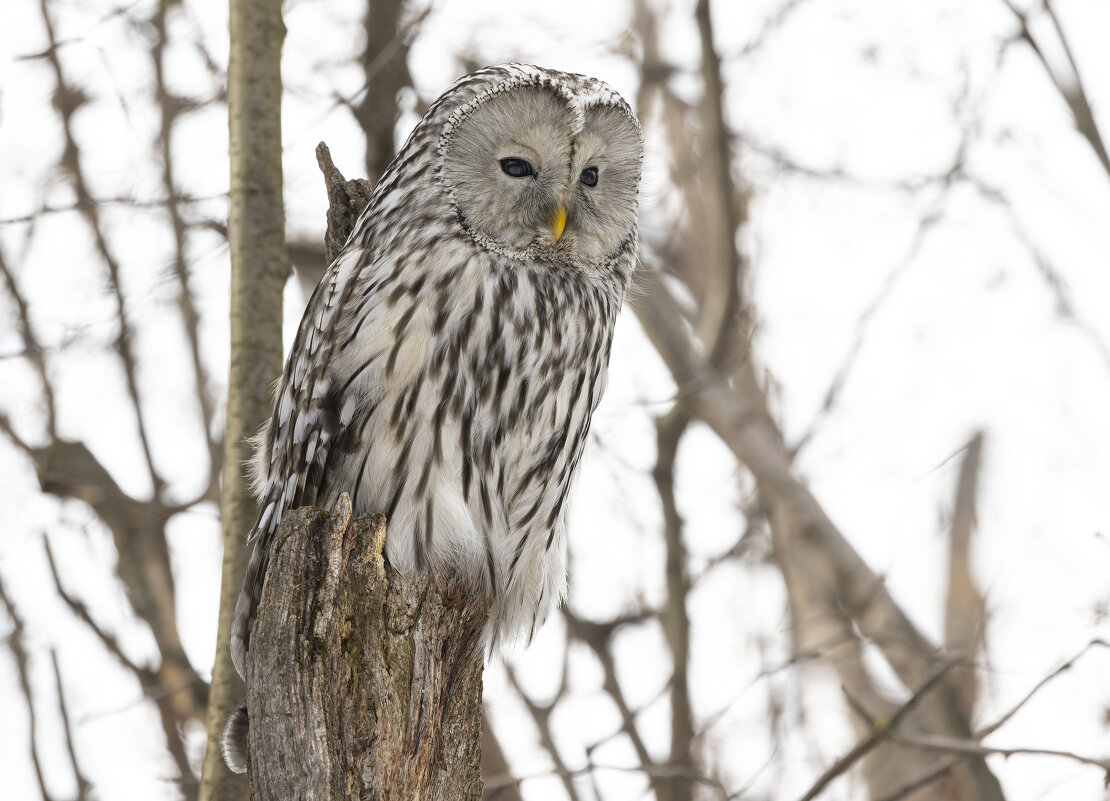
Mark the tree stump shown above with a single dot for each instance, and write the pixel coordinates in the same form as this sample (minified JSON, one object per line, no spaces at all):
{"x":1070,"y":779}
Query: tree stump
{"x":362,"y":683}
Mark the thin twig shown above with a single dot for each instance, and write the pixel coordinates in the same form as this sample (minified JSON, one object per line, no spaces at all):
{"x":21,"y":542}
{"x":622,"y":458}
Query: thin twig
{"x":32,"y":348}
{"x":955,"y":745}
{"x":541,"y":716}
{"x":67,"y":100}
{"x":659,"y":771}
{"x":170,"y":106}
{"x":83,"y":785}
{"x":1055,"y":281}
{"x":990,"y":728}
{"x":880,"y":732}
{"x":144,"y":675}
{"x":598,"y":637}
{"x":1075,"y":94}
{"x":770,"y":24}
{"x":928,"y":221}
{"x":16,"y":646}
{"x":130,"y":202}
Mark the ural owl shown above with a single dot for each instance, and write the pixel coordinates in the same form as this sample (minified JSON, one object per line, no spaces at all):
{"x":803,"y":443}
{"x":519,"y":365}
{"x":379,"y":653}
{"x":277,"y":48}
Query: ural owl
{"x":447,"y":366}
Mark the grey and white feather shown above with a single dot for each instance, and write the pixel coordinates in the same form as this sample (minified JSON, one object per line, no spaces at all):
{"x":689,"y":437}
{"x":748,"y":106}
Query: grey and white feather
{"x":448,"y":364}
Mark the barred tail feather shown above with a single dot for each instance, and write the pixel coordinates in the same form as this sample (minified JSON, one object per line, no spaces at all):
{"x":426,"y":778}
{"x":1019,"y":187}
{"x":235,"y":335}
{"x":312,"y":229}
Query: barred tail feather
{"x":245,"y":607}
{"x":234,"y":742}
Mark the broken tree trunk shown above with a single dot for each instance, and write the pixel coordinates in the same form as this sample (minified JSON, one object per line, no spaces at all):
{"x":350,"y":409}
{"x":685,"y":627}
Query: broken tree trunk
{"x":363,"y":683}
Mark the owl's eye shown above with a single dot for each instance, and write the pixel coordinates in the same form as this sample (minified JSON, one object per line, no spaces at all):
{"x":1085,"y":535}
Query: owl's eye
{"x":589,"y":176}
{"x":517,"y":168}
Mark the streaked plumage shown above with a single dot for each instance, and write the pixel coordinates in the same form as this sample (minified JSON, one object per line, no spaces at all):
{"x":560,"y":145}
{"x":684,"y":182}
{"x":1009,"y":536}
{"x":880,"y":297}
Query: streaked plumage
{"x":448,"y":363}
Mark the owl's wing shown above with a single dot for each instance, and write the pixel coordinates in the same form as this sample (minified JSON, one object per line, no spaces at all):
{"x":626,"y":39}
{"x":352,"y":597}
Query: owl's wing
{"x":293,"y":447}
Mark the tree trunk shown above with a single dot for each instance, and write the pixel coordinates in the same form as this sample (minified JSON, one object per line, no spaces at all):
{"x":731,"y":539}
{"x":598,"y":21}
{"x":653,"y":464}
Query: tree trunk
{"x":363,"y":683}
{"x":259,"y":268}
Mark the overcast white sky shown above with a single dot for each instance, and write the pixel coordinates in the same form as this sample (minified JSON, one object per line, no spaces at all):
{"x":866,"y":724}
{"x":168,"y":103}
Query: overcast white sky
{"x":968,"y":335}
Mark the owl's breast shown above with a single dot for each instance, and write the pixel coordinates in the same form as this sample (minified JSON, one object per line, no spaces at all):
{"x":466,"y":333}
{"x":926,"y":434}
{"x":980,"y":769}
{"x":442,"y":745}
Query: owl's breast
{"x":465,"y":397}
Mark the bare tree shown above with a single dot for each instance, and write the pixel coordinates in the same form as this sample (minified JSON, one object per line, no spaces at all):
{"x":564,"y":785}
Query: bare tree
{"x":68,"y":469}
{"x":925,"y":726}
{"x":256,"y":234}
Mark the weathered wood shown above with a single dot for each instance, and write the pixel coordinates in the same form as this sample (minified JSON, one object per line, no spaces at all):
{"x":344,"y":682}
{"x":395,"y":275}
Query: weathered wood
{"x":363,"y":683}
{"x":259,"y":268}
{"x":346,"y":202}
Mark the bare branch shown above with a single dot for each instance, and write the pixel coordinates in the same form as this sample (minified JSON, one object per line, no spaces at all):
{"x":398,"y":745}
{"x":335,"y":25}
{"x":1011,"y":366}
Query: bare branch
{"x":541,"y":716}
{"x":1055,"y":281}
{"x":83,"y":785}
{"x":956,"y":745}
{"x":1070,"y":87}
{"x":9,"y":431}
{"x":1066,"y":666}
{"x":881,"y":731}
{"x":674,"y":617}
{"x":965,"y":609}
{"x":771,"y":23}
{"x":655,"y":771}
{"x":927,"y":223}
{"x":170,"y":107}
{"x":32,"y":347}
{"x":810,"y":542}
{"x":143,"y":674}
{"x":67,"y":100}
{"x":16,"y":646}
{"x":130,"y":202}
{"x":599,"y":637}
{"x":723,"y":308}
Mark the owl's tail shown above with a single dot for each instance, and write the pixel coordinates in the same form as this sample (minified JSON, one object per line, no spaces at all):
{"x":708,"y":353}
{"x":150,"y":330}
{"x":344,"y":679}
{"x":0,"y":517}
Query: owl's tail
{"x":246,"y":605}
{"x":234,"y":742}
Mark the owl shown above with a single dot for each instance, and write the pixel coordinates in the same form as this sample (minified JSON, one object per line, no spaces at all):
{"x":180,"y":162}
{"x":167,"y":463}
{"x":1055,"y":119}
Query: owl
{"x":448,"y":363}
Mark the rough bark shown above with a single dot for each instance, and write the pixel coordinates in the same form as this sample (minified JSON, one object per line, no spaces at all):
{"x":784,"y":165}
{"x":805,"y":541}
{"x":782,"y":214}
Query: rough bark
{"x":364,"y":683}
{"x":346,"y":202}
{"x":259,"y":268}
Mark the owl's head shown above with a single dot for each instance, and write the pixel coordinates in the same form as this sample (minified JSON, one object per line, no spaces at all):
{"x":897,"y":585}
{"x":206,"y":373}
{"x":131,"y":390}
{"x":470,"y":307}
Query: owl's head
{"x":544,"y":165}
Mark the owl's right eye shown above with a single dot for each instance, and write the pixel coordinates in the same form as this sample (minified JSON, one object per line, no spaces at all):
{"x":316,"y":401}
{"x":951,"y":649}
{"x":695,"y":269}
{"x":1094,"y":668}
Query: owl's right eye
{"x":517,"y":168}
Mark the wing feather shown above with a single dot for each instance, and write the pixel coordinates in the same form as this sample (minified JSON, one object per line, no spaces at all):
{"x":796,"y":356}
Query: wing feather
{"x":293,"y":448}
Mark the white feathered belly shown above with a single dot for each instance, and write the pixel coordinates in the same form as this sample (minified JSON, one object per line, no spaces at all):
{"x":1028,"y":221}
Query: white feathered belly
{"x":473,"y":480}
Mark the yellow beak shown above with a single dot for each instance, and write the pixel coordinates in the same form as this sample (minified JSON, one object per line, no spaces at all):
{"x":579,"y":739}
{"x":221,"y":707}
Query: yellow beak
{"x":559,"y":221}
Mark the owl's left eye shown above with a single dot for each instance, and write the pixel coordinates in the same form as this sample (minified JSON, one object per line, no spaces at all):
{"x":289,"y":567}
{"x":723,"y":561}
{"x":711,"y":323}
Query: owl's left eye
{"x":517,"y":168}
{"x":589,"y":176}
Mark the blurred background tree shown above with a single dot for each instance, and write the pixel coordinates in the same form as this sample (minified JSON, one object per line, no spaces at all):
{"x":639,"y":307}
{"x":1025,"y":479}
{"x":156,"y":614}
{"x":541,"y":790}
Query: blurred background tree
{"x":838,"y":528}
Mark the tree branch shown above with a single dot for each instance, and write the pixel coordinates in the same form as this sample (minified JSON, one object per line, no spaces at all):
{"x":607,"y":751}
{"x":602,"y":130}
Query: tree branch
{"x":83,"y":785}
{"x":31,"y":346}
{"x":880,"y":731}
{"x":1075,"y":94}
{"x":67,"y":100}
{"x":541,"y":716}
{"x":15,"y":644}
{"x":965,"y":609}
{"x":674,"y":617}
